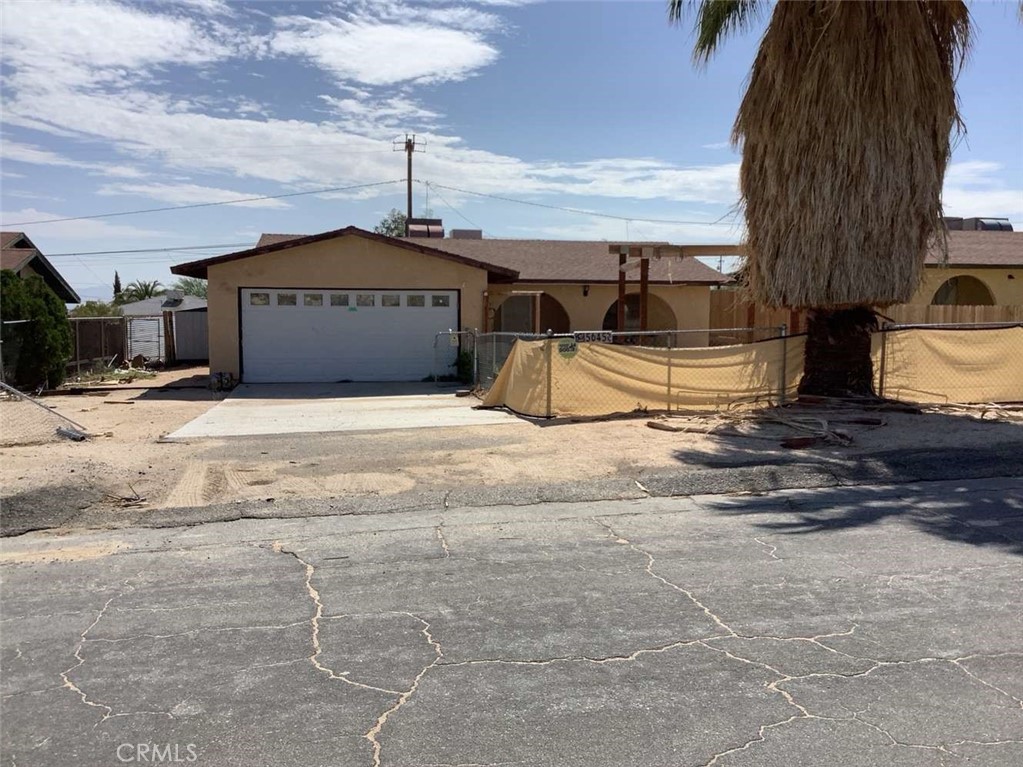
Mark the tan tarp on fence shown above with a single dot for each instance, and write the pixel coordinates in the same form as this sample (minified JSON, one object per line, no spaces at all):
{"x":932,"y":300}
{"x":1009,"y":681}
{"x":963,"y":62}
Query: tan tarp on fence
{"x":943,"y":366}
{"x":599,"y":379}
{"x":561,"y":377}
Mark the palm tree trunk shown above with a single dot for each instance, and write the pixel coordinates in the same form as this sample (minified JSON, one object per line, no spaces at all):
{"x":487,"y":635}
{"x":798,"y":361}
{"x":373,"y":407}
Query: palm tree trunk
{"x":837,"y":359}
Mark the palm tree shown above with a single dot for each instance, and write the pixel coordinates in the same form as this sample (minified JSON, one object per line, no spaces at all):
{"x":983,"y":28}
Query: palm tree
{"x":845,"y":130}
{"x":191,"y":286}
{"x":137,"y":290}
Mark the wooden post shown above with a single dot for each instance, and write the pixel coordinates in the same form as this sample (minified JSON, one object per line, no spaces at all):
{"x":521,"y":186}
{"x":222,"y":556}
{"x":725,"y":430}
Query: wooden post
{"x":169,"y":355}
{"x":536,"y":314}
{"x":644,"y":291}
{"x":620,"y":325}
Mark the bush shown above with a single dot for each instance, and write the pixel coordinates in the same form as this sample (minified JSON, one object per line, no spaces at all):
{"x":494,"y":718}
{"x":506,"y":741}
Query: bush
{"x":46,"y":343}
{"x":464,"y":366}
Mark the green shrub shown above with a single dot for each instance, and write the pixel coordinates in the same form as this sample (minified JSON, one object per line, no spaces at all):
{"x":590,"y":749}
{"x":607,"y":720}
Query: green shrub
{"x":464,"y":367}
{"x":45,"y":342}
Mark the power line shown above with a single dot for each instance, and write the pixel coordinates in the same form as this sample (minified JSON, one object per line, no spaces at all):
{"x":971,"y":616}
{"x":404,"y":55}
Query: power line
{"x":193,"y":206}
{"x":596,"y":214}
{"x":452,"y":207}
{"x":149,"y":250}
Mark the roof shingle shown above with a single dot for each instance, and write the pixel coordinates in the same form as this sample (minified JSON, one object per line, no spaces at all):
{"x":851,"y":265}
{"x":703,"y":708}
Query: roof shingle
{"x":556,"y":260}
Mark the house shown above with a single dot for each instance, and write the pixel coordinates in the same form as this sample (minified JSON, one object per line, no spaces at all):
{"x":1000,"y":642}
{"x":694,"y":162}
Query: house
{"x":354,"y":305}
{"x":20,"y":255}
{"x":984,"y":268}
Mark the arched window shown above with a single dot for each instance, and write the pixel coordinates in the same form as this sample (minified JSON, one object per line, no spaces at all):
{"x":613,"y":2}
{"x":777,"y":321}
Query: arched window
{"x":659,"y":314}
{"x":963,"y":291}
{"x":515,"y":315}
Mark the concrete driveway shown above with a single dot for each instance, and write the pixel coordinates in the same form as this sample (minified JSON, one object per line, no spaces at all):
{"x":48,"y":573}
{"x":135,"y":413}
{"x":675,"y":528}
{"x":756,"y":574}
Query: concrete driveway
{"x":263,"y":409}
{"x":863,"y":627}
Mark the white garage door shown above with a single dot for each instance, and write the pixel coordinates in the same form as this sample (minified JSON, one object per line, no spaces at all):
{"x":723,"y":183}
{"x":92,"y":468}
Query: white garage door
{"x":291,"y":335}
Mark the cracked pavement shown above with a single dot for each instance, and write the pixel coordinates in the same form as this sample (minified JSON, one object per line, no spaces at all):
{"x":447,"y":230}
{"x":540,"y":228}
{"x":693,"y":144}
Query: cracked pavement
{"x":870,"y":625}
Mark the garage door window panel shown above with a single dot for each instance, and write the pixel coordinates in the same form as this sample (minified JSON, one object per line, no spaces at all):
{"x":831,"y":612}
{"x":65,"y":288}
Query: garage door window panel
{"x":312,"y":299}
{"x":365,"y":299}
{"x":287,"y":299}
{"x":416,"y":301}
{"x":259,"y":299}
{"x":440,"y":301}
{"x":339,"y":299}
{"x":390,"y":300}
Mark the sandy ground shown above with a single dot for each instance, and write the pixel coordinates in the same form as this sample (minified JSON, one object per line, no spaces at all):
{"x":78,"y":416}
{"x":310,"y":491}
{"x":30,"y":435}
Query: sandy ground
{"x":130,"y":465}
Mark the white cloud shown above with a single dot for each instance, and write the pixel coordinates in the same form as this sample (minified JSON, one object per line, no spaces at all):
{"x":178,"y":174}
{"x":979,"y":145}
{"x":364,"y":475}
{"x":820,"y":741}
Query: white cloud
{"x":973,"y":188}
{"x":98,"y":84}
{"x":187,"y":194}
{"x":89,"y":229}
{"x":13,"y":151}
{"x":717,"y":145}
{"x":373,"y":52}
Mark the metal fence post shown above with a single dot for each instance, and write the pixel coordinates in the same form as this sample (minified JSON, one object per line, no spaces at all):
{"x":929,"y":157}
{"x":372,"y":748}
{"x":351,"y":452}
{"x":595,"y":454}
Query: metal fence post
{"x":884,"y":360}
{"x":784,"y":364}
{"x":78,"y":346}
{"x":672,"y":340}
{"x":550,"y":374}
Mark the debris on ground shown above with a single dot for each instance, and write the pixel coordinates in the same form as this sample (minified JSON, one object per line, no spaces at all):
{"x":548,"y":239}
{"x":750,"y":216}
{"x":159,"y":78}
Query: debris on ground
{"x":791,"y":430}
{"x":127,"y":501}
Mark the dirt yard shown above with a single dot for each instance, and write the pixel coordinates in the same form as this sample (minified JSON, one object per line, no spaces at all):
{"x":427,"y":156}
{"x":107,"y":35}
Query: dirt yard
{"x":129,"y":467}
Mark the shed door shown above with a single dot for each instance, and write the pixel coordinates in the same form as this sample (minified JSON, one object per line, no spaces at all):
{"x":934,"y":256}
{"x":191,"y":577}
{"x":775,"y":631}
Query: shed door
{"x":291,"y":335}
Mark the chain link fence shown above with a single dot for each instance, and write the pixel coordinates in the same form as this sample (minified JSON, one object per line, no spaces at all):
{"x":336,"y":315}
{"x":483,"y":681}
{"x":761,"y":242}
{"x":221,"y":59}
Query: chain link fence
{"x":949,"y":363}
{"x":25,"y":420}
{"x":454,"y":357}
{"x":99,"y":342}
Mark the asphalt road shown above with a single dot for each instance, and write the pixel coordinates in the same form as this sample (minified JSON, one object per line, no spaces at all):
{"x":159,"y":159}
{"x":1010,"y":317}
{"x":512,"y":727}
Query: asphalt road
{"x":847,"y":626}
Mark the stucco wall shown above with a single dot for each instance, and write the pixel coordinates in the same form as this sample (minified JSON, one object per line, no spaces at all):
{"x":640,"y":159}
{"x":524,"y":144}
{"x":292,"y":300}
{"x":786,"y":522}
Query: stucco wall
{"x":347,"y":262}
{"x":1005,"y":291}
{"x":689,"y":303}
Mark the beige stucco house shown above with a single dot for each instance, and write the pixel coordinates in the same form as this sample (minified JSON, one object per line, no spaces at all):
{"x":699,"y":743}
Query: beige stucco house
{"x":984,"y":268}
{"x":354,"y":305}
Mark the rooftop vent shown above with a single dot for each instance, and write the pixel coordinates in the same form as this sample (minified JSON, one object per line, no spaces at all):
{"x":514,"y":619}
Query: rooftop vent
{"x":425,"y":227}
{"x":466,"y":234}
{"x":957,"y":224}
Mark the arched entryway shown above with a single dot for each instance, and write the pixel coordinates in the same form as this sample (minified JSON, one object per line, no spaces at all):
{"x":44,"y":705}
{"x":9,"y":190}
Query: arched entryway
{"x":963,"y":290}
{"x":516,"y":315}
{"x":659,"y":315}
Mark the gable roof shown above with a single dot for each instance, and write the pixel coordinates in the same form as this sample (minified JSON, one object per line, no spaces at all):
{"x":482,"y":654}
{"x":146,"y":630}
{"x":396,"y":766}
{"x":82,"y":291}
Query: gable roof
{"x":980,"y":248}
{"x":198,"y":268}
{"x":560,"y":260}
{"x":17,"y":251}
{"x":160,"y":304}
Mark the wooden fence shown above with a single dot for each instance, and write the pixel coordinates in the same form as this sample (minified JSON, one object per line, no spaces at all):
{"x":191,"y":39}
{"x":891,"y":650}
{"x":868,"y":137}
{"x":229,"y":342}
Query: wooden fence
{"x":729,"y":310}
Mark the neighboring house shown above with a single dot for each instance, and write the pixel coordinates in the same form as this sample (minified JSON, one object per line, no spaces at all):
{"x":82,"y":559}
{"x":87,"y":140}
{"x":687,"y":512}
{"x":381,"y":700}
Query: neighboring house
{"x":354,"y":305}
{"x":984,"y":268}
{"x":19,"y":254}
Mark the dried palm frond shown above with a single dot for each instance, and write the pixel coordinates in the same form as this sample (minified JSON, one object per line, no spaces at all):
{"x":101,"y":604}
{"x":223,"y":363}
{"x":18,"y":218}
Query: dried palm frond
{"x":846,"y":133}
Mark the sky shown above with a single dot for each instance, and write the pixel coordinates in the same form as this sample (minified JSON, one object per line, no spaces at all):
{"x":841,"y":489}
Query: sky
{"x":113,"y":106}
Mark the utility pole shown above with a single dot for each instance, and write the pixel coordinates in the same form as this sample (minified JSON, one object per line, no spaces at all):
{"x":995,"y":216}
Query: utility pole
{"x":408,"y":146}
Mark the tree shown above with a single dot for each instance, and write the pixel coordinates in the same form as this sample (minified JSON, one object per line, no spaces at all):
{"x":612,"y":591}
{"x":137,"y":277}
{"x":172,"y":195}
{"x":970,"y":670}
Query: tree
{"x":191,"y":286}
{"x":138,"y":290}
{"x":393,"y":224}
{"x":117,"y":284}
{"x":845,"y":130}
{"x":96,"y":309}
{"x":44,"y":346}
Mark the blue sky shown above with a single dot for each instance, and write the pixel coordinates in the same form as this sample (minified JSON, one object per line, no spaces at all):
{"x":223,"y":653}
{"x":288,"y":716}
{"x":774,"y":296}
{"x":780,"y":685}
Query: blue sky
{"x":114,"y":106}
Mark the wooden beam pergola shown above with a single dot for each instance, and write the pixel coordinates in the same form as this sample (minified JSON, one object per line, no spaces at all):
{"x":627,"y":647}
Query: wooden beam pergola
{"x":632,"y":256}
